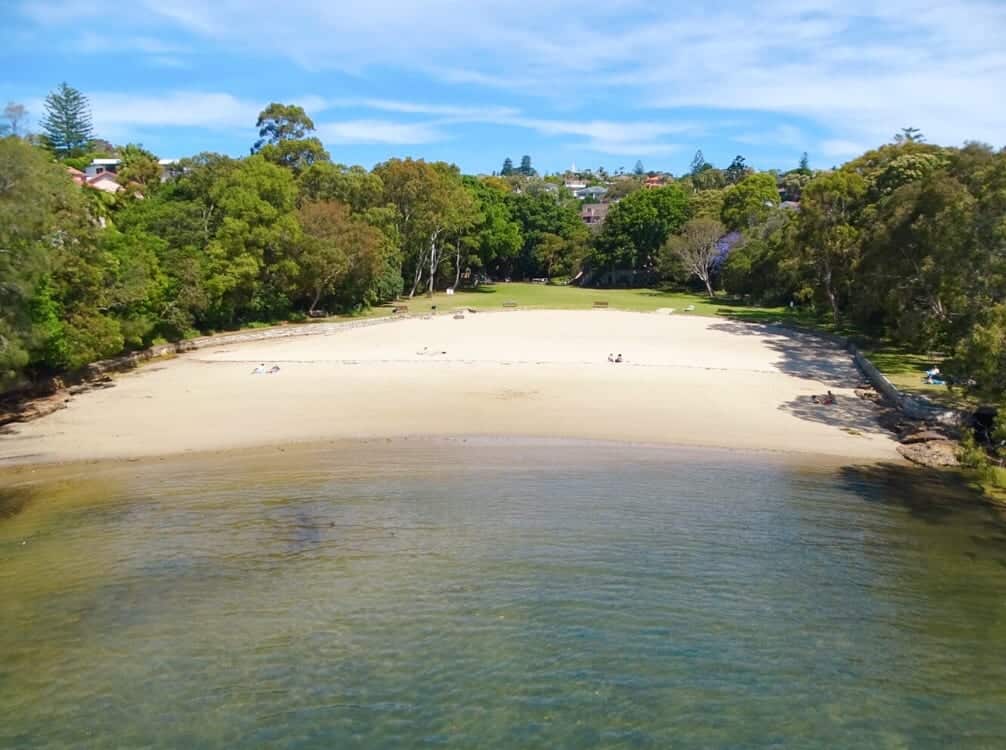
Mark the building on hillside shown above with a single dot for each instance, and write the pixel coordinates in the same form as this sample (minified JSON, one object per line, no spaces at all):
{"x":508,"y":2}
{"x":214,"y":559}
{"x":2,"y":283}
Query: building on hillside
{"x":76,"y":175}
{"x":101,"y":166}
{"x":656,"y":181}
{"x":595,"y":192}
{"x":594,"y":214}
{"x":573,"y":184}
{"x":106,"y":182}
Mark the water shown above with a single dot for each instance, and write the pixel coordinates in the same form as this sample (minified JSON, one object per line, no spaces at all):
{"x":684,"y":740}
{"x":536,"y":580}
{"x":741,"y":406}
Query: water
{"x":489,"y":595}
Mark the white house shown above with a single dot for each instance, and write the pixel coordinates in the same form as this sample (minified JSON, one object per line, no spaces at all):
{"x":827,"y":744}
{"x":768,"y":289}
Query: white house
{"x":101,"y":166}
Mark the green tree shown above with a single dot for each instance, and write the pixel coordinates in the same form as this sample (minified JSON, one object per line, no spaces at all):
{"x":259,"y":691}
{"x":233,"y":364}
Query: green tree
{"x":139,"y":167}
{"x":66,"y":121}
{"x":699,"y":164}
{"x":637,"y":227}
{"x":828,"y":233}
{"x":638,"y":169}
{"x":737,"y":170}
{"x":909,"y":135}
{"x":750,"y":201}
{"x":283,"y":137}
{"x":525,"y":166}
{"x":355,"y":186}
{"x":507,"y":169}
{"x":695,"y":249}
{"x":804,"y":167}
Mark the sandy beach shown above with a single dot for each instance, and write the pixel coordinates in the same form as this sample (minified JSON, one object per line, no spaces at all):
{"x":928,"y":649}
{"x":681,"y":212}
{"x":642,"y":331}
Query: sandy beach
{"x":684,"y":380}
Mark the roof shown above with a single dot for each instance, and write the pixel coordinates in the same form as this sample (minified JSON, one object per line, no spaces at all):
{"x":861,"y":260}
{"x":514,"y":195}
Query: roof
{"x":104,"y":162}
{"x":74,"y":172}
{"x":102,"y":176}
{"x":167,"y":162}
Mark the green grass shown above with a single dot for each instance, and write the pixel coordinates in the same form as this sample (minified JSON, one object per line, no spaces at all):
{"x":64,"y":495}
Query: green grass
{"x":544,"y":296}
{"x":907,"y":371}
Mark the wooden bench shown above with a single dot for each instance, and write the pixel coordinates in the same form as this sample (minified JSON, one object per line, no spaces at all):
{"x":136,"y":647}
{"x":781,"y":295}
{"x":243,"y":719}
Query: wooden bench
{"x":399,"y":309}
{"x":599,"y":303}
{"x":509,"y":303}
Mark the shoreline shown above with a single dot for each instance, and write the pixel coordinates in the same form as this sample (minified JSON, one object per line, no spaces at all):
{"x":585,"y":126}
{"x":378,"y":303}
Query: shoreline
{"x":686,"y":381}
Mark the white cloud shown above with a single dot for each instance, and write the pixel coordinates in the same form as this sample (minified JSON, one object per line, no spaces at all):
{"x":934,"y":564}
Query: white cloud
{"x":117,"y":114}
{"x":379,"y":131}
{"x":857,"y":69}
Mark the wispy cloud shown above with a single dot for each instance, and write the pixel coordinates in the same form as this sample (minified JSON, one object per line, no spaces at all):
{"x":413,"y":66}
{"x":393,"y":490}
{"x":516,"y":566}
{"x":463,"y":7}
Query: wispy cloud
{"x":379,"y":131}
{"x":855,"y":70}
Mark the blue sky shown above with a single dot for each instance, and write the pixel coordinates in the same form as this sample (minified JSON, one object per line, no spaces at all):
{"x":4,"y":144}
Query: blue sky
{"x":565,"y":81}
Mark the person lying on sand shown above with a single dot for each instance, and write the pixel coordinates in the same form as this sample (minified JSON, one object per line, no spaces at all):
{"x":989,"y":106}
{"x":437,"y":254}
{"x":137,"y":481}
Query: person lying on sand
{"x":260,"y":370}
{"x":274,"y":369}
{"x":827,"y":400}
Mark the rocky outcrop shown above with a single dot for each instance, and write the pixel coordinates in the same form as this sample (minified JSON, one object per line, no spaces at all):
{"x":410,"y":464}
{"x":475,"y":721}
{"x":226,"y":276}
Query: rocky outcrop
{"x":936,"y":454}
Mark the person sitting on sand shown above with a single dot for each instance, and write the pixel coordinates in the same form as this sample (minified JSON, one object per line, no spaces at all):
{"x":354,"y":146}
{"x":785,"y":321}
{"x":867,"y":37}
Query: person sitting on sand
{"x":824,"y":400}
{"x":618,"y":358}
{"x":260,"y":370}
{"x":611,"y":357}
{"x":274,"y":369}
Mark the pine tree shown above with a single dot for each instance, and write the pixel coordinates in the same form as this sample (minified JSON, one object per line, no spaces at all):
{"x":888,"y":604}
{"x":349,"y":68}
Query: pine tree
{"x":698,"y":163}
{"x":67,"y":121}
{"x":805,"y":163}
{"x":638,"y":170}
{"x":525,"y":166}
{"x":507,"y":167}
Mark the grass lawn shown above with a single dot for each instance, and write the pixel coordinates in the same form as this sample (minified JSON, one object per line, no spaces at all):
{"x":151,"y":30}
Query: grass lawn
{"x":544,"y":296}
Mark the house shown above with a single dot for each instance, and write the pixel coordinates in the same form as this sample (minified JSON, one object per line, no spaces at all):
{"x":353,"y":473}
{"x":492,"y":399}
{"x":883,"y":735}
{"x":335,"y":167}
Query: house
{"x":595,"y":192}
{"x":574,"y":183}
{"x":76,"y":175}
{"x":106,"y":182}
{"x":656,"y":181}
{"x":101,"y":166}
{"x":593,"y":214}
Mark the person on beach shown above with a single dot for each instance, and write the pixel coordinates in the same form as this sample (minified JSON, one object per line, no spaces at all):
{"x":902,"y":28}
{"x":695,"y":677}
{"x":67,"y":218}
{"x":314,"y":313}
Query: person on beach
{"x":274,"y":369}
{"x":618,"y":358}
{"x":611,"y":357}
{"x":260,"y":370}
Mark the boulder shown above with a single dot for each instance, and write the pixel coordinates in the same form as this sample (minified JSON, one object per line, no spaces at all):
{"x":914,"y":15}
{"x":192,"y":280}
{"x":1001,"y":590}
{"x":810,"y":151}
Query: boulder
{"x":935,"y":454}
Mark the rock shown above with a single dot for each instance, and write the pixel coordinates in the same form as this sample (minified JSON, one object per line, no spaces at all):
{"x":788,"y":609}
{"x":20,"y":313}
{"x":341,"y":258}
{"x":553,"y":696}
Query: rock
{"x":923,"y":436}
{"x":935,"y":454}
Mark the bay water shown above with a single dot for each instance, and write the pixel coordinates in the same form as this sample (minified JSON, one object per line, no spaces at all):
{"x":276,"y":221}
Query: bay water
{"x":511,"y":594}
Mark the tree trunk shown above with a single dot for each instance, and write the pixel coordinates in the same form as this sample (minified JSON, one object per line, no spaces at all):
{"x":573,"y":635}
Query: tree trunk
{"x":415,"y":281}
{"x":434,"y":259}
{"x":457,"y":265}
{"x":709,"y":287}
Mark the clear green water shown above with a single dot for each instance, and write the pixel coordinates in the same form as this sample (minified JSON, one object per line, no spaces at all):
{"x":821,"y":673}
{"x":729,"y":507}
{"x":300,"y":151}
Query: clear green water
{"x":498,"y":596}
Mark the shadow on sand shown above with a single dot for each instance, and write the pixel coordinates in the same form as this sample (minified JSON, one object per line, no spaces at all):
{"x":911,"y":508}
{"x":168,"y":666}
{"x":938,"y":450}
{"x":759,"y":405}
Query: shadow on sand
{"x":848,"y":413}
{"x":801,"y":355}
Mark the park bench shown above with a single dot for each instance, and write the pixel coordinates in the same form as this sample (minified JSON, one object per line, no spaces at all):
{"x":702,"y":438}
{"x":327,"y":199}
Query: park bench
{"x":317,"y":314}
{"x":400,"y":309}
{"x":509,"y":303}
{"x":600,"y":303}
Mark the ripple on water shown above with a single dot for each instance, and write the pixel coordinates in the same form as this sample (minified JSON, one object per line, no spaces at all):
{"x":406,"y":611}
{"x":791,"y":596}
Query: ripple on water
{"x":500,"y":596}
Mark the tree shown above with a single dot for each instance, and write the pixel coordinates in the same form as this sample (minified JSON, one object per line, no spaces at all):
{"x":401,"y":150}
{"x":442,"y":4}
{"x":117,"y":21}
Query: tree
{"x":750,"y":201}
{"x":699,"y":164}
{"x":710,"y":178}
{"x":336,"y":248}
{"x":696,"y":248}
{"x":507,"y":167}
{"x":804,"y":167}
{"x":909,"y":135}
{"x":355,"y":186}
{"x":283,"y":137}
{"x":67,"y":121}
{"x":827,"y":231}
{"x":139,"y":167}
{"x":525,"y":166}
{"x":737,"y":170}
{"x":638,"y":169}
{"x":637,"y":227}
{"x":15,"y":114}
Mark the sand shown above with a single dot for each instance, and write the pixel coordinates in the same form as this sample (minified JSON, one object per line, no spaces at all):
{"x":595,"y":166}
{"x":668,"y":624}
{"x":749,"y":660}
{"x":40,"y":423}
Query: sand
{"x":543,"y":374}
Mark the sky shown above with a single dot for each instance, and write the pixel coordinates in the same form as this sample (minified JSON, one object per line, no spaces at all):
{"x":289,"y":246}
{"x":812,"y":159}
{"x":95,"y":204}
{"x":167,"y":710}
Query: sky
{"x":564,"y":81}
